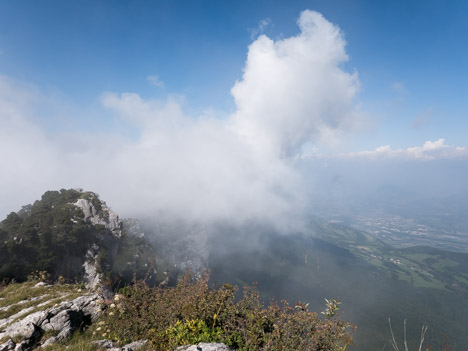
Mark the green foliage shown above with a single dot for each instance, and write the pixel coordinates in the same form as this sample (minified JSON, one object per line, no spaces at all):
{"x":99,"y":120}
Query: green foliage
{"x":192,"y":312}
{"x":331,"y":308}
{"x":52,"y":237}
{"x":79,"y":342}
{"x":40,"y":237}
{"x":187,"y":333}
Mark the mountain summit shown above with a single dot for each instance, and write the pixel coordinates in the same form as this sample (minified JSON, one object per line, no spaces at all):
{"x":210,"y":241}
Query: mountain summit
{"x":70,"y":234}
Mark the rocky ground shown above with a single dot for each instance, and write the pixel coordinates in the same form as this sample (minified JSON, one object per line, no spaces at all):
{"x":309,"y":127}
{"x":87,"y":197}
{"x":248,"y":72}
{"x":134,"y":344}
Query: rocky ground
{"x":41,"y":314}
{"x":37,"y":315}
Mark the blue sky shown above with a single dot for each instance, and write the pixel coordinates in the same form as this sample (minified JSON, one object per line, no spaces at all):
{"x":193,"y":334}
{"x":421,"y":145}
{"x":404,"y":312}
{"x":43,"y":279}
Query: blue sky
{"x":188,"y":98}
{"x":198,"y":49}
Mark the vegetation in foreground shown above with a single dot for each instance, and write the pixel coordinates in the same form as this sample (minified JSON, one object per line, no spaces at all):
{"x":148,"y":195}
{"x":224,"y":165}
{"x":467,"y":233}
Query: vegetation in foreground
{"x":193,"y":312}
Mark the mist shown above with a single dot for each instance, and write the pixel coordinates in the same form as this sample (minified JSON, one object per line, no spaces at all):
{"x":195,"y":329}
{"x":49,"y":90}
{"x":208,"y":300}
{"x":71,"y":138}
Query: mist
{"x":345,"y":183}
{"x":204,"y":168}
{"x":162,"y":162}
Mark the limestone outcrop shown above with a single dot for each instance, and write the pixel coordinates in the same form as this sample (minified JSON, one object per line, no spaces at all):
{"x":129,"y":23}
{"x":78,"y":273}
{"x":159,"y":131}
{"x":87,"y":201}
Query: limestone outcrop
{"x":62,"y":319}
{"x":98,"y":213}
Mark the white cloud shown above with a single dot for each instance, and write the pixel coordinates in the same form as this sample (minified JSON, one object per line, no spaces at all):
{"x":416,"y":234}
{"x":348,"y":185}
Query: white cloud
{"x":198,"y":167}
{"x":24,"y":148}
{"x":430,"y":150}
{"x":293,"y":91}
{"x":154,"y":80}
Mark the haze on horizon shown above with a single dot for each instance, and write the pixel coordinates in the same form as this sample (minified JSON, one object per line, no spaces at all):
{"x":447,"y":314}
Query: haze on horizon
{"x":312,"y":113}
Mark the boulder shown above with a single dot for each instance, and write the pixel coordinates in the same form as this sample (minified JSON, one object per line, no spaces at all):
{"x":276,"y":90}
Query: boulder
{"x":50,"y":341}
{"x":7,"y":346}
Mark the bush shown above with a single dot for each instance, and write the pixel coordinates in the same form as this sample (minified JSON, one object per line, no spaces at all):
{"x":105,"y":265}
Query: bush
{"x":193,"y":312}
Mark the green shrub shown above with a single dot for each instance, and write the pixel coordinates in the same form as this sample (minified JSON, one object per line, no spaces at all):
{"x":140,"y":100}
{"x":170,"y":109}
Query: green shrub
{"x":185,"y":333}
{"x":192,"y":312}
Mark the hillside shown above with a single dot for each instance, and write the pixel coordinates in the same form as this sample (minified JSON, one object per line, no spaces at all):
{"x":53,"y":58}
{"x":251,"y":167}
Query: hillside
{"x":374,"y":281}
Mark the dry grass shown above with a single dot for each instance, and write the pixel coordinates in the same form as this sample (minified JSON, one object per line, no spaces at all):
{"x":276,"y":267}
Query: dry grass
{"x":16,"y":292}
{"x":78,"y":342}
{"x":405,"y":343}
{"x":18,"y":297}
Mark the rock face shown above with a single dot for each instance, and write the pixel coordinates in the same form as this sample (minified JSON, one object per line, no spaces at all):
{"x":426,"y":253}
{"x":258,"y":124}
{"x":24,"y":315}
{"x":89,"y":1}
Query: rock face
{"x":102,"y":216}
{"x":63,"y":318}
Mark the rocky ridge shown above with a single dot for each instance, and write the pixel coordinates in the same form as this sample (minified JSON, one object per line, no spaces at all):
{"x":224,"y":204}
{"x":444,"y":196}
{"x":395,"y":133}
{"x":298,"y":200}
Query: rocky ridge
{"x":57,"y":312}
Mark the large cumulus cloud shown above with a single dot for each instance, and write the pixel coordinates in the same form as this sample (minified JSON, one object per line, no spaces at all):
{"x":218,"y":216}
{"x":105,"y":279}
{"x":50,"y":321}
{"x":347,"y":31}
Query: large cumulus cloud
{"x":293,"y":91}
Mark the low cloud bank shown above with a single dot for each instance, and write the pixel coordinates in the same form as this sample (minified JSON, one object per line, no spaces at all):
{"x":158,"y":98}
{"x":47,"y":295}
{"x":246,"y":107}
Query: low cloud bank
{"x":430,"y":150}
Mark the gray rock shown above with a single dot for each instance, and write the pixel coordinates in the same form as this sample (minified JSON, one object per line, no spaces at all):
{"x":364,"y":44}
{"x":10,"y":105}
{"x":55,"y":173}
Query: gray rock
{"x":111,"y":221}
{"x":135,"y":345}
{"x":26,"y":328}
{"x":83,"y":309}
{"x":59,"y":321}
{"x":109,"y":345}
{"x":30,"y":318}
{"x":50,"y":341}
{"x":29,"y":331}
{"x":106,"y":344}
{"x":66,"y":333}
{"x":65,"y":318}
{"x":7,"y":346}
{"x":105,"y":217}
{"x":203,"y":346}
{"x":22,"y":346}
